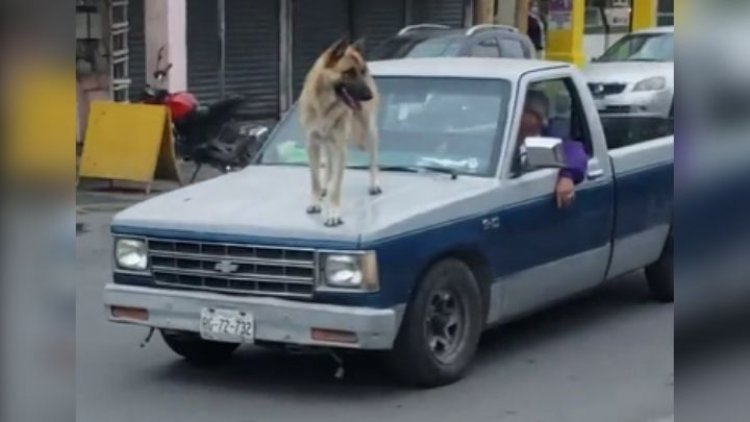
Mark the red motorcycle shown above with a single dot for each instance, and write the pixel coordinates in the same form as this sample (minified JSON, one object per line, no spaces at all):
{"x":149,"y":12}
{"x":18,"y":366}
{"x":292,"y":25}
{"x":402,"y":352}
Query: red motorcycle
{"x":210,"y":135}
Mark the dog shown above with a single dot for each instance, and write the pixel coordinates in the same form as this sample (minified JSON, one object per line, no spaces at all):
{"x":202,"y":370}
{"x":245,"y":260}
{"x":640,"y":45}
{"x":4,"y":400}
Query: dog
{"x":338,"y":108}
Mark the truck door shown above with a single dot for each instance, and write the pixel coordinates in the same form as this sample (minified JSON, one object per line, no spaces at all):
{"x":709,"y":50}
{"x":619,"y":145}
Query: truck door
{"x":546,"y":253}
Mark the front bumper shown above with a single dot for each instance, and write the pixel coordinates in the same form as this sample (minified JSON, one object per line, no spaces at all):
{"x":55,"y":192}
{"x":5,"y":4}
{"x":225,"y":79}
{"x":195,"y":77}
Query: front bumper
{"x":656,"y":102}
{"x":276,"y":320}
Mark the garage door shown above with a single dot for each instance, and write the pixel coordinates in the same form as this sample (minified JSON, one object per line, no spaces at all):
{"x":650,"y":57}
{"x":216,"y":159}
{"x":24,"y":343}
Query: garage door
{"x":136,"y":49}
{"x":377,"y":20}
{"x":252,"y":55}
{"x":446,"y":12}
{"x":316,"y":25}
{"x":203,"y":49}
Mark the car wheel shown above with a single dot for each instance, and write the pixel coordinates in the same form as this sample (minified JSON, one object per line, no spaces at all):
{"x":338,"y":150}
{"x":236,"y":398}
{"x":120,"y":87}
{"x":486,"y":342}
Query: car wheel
{"x":441,"y":328}
{"x":660,"y":275}
{"x":197,"y":350}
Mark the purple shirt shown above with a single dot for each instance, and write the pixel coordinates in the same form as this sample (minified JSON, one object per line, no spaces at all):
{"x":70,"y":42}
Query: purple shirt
{"x":576,"y":161}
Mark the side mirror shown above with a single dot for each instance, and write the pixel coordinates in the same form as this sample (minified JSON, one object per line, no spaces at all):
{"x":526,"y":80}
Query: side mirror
{"x":543,"y":152}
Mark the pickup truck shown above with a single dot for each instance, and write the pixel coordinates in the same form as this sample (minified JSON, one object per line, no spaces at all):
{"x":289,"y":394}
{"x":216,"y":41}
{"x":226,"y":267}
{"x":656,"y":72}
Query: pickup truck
{"x":460,"y":240}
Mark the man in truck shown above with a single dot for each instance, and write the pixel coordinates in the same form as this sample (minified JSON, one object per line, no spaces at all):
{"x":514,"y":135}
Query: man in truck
{"x":534,"y":122}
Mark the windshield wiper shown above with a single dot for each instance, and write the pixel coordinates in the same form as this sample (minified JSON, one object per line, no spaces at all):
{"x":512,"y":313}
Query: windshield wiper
{"x":414,"y":169}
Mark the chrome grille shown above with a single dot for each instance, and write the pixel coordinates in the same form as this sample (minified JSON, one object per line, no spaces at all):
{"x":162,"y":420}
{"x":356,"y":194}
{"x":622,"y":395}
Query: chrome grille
{"x":232,"y":268}
{"x":607,"y":88}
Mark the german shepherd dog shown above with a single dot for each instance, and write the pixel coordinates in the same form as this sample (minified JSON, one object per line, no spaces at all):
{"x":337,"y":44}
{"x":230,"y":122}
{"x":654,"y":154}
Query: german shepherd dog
{"x":338,"y":104}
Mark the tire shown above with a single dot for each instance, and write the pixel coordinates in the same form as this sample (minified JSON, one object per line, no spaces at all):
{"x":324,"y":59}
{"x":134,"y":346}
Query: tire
{"x":660,"y":275}
{"x":196,"y":350}
{"x":423,"y":358}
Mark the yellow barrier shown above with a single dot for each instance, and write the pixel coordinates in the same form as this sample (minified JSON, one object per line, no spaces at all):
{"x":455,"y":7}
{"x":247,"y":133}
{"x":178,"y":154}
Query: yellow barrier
{"x":131,"y":142}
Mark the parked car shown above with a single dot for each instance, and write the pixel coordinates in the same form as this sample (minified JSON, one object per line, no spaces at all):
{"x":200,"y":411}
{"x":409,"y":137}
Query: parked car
{"x":636,"y":74}
{"x":459,"y":241}
{"x":431,"y":40}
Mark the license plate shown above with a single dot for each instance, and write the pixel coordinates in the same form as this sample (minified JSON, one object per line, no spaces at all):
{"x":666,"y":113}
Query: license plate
{"x":227,"y":325}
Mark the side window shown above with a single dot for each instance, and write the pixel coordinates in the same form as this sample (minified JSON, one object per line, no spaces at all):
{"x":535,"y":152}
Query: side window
{"x":511,"y":48}
{"x":487,"y":47}
{"x":566,"y":117}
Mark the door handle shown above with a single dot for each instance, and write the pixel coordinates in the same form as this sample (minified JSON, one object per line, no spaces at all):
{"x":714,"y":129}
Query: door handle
{"x":594,"y":174}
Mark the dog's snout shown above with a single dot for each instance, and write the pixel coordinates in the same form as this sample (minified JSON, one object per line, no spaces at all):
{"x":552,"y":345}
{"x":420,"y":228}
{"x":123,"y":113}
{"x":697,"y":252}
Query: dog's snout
{"x":364,"y":93}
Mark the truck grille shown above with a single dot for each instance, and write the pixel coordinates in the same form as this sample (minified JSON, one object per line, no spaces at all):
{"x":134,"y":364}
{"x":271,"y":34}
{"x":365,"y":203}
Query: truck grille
{"x":606,"y":89}
{"x":231,"y":268}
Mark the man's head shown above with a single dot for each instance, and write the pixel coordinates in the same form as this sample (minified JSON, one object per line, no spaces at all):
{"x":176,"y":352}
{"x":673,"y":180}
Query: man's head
{"x":535,"y":113}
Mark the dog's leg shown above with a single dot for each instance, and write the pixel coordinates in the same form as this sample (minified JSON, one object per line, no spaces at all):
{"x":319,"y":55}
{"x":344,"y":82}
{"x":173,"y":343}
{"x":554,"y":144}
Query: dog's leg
{"x":313,"y":154}
{"x":328,"y":148}
{"x":372,"y":147}
{"x":338,"y":163}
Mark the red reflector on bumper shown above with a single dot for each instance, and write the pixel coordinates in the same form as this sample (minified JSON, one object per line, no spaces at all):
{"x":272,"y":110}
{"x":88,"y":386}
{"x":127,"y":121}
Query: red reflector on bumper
{"x":333,"y":336}
{"x":137,"y":314}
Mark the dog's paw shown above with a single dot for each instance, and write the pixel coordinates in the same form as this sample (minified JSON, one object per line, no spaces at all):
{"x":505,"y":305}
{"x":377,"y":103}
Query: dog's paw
{"x":333,"y":222}
{"x":313,"y":209}
{"x":375,"y":190}
{"x":333,"y":218}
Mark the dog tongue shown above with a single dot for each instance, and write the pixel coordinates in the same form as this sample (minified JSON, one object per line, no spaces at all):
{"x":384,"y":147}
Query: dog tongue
{"x":349,"y":100}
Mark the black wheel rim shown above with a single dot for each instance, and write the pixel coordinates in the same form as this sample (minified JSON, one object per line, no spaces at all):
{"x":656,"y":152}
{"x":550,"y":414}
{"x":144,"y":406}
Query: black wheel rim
{"x":445,"y":325}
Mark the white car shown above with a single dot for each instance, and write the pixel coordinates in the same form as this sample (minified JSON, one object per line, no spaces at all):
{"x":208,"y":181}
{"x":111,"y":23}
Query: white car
{"x":636,"y":74}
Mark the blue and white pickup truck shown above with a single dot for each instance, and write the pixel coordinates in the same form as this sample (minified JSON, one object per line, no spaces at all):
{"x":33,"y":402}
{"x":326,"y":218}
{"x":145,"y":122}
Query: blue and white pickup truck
{"x":460,"y":240}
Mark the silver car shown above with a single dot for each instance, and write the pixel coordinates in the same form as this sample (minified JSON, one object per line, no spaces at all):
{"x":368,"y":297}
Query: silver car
{"x":636,"y":74}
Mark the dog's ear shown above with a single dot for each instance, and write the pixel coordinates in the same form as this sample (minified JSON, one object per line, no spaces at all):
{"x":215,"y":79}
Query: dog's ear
{"x":359,"y":45}
{"x":337,"y":50}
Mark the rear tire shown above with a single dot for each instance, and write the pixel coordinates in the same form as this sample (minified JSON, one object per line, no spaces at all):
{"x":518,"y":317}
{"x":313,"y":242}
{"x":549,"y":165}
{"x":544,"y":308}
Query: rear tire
{"x":441,"y":328}
{"x":197,"y":350}
{"x":660,"y":275}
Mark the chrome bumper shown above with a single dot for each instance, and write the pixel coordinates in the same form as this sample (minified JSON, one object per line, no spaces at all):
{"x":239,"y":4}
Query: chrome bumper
{"x":276,"y":320}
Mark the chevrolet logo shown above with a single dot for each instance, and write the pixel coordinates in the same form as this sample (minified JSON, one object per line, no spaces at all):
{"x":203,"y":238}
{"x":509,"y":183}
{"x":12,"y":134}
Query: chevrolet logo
{"x":226,"y":267}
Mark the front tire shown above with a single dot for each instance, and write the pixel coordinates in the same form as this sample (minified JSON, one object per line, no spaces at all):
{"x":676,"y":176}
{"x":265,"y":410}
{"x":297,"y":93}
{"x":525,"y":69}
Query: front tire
{"x":660,"y":275}
{"x":197,"y":350}
{"x":441,"y":328}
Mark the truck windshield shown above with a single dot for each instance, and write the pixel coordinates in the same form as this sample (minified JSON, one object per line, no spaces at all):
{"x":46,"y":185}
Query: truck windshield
{"x":641,"y":47}
{"x":429,"y":122}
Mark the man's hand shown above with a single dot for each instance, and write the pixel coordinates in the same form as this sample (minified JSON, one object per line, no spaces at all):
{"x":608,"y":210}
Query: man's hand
{"x":565,"y":191}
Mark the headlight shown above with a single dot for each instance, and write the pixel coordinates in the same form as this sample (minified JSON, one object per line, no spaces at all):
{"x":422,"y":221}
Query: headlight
{"x":651,"y":84}
{"x":130,"y":254}
{"x":355,"y":271}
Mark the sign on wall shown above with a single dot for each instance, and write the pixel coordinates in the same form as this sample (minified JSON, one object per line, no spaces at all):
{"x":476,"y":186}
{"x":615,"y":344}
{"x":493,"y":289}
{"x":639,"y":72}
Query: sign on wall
{"x":560,"y":14}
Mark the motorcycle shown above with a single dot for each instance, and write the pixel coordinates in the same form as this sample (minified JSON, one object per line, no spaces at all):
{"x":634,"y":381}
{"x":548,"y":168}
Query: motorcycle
{"x":209,"y":135}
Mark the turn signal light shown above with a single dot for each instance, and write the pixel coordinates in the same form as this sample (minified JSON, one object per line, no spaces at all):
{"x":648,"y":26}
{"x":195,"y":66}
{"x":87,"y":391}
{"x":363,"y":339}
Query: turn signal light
{"x":137,"y":314}
{"x":334,"y":336}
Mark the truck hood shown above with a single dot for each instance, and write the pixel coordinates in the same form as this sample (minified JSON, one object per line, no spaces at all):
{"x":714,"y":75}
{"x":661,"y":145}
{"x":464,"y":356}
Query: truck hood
{"x":627,"y":72}
{"x":267,"y":204}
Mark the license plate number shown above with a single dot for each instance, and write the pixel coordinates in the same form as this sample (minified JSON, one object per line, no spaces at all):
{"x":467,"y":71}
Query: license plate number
{"x":227,"y":325}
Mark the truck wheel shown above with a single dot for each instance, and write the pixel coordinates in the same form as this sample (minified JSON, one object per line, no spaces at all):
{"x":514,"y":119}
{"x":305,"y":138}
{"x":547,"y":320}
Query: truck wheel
{"x":660,"y":275}
{"x":441,"y":328}
{"x":196,"y":350}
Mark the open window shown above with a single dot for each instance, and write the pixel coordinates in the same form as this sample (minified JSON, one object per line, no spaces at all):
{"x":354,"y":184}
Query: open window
{"x":552,"y":108}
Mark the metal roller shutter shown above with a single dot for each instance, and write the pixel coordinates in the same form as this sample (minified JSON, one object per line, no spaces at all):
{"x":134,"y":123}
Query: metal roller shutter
{"x":446,"y":12}
{"x":136,"y":49}
{"x":252,"y":55}
{"x":316,"y":25}
{"x":377,"y":20}
{"x":203,"y":49}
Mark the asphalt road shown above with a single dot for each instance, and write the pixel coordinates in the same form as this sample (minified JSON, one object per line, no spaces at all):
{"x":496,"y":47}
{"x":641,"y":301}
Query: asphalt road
{"x":605,"y":357}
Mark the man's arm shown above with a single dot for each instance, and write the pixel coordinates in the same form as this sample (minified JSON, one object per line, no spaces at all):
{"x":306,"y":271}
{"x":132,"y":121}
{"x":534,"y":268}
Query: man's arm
{"x":576,"y":161}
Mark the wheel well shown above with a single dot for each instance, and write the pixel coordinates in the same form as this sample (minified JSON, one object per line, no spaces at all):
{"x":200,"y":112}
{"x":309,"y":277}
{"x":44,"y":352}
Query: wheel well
{"x":478,"y":265}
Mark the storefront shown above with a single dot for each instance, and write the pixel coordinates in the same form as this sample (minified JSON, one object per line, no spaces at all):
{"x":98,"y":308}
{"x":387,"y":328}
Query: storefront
{"x":269,"y":45}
